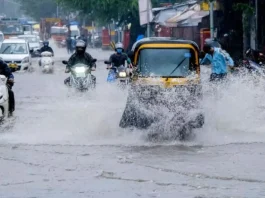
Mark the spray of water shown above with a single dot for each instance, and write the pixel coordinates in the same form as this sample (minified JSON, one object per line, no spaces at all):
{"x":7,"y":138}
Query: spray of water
{"x":48,"y":112}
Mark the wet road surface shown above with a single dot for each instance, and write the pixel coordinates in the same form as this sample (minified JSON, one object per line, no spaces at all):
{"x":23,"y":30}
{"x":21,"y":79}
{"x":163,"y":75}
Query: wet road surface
{"x":65,"y":144}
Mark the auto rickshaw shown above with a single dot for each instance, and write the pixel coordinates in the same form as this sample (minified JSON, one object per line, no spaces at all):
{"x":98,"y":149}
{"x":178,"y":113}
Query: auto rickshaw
{"x":165,"y":88}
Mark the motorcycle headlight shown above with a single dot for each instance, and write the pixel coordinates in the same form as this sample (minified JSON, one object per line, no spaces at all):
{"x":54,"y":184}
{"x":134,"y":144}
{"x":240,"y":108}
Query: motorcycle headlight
{"x":25,"y":60}
{"x":80,"y":69}
{"x":122,"y":74}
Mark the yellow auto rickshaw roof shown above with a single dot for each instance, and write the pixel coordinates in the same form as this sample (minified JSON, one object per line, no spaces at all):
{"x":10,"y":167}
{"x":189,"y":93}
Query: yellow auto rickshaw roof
{"x":164,"y":40}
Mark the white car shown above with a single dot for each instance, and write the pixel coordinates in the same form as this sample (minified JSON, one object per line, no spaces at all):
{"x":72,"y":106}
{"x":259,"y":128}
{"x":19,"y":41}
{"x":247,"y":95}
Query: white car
{"x":4,"y":105}
{"x":33,"y":40}
{"x":16,"y":53}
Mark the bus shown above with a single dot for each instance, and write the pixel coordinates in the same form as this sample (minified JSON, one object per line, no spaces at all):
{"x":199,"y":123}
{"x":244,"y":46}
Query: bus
{"x":11,"y":27}
{"x":59,"y":34}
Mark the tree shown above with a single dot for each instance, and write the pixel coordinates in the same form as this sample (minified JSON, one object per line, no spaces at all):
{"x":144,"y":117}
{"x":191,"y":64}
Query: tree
{"x":247,"y":13}
{"x":105,"y":11}
{"x":39,"y":9}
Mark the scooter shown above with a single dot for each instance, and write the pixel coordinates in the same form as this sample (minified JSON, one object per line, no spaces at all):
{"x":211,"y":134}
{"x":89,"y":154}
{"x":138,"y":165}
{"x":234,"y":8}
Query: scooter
{"x":46,"y":62}
{"x":4,"y":103}
{"x":81,"y":77}
{"x":118,"y":74}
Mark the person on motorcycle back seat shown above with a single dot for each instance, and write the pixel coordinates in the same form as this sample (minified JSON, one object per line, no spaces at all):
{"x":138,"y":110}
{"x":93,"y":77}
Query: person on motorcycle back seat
{"x":46,"y":47}
{"x":219,"y":60}
{"x":6,"y":71}
{"x":80,"y":56}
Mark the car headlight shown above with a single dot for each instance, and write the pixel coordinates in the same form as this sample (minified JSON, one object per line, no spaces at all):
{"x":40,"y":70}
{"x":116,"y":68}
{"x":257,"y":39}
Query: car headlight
{"x":122,"y":74}
{"x":80,"y":69}
{"x":25,"y":60}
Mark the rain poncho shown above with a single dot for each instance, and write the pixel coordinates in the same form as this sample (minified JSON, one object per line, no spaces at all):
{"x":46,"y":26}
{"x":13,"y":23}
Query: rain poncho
{"x":219,"y":61}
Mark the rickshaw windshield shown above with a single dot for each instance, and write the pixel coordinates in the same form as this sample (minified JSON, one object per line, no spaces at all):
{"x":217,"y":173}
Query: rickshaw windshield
{"x":165,"y":62}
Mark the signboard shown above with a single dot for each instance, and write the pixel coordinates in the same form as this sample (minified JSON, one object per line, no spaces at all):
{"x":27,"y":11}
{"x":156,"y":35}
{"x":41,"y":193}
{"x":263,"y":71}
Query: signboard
{"x":53,"y":20}
{"x":145,"y":11}
{"x":205,"y":6}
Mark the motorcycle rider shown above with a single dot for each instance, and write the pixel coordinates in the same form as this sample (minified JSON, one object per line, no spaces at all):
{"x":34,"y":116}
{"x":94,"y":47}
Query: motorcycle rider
{"x":6,"y":71}
{"x":45,"y":48}
{"x":119,"y":58}
{"x":219,"y":60}
{"x":80,"y":56}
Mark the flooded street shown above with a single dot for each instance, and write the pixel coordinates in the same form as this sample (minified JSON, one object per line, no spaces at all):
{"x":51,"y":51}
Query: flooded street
{"x":62,"y":144}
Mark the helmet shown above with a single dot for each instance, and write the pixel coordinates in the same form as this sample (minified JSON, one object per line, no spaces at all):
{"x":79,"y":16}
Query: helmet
{"x":80,"y":46}
{"x":46,"y":43}
{"x":119,"y":47}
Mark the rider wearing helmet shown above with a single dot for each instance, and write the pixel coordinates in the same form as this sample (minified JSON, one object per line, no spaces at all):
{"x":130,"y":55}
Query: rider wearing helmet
{"x":119,"y":58}
{"x":80,"y":56}
{"x":6,"y":71}
{"x":46,"y":47}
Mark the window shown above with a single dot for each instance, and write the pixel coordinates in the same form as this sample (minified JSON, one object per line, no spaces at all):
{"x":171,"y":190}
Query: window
{"x":165,"y":62}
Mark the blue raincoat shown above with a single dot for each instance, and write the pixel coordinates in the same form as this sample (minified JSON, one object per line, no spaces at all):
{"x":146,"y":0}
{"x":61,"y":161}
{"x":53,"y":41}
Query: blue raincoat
{"x":219,"y":61}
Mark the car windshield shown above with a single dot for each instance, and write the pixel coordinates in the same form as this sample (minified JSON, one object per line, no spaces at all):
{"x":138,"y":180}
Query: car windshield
{"x":11,"y":29}
{"x":29,"y":39}
{"x":58,"y":31}
{"x":13,"y":48}
{"x":165,"y":62}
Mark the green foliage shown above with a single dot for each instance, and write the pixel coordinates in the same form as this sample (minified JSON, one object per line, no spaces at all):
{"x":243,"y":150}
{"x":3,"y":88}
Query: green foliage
{"x":247,"y":12}
{"x":38,"y":8}
{"x":106,"y":10}
{"x":244,"y":7}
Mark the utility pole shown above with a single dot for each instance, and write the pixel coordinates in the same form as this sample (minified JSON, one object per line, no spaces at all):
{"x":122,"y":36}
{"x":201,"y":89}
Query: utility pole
{"x":148,"y":18}
{"x":257,"y":24}
{"x":211,"y":19}
{"x":57,"y":11}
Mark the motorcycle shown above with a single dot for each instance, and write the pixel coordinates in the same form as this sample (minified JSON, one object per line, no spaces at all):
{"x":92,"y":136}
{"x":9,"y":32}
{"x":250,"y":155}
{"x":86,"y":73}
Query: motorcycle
{"x":118,"y":74}
{"x":4,"y":104}
{"x":256,"y":56}
{"x":81,"y":77}
{"x":46,"y":62}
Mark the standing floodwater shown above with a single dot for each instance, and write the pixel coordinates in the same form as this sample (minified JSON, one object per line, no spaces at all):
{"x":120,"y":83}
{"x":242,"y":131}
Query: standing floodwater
{"x":61,"y":143}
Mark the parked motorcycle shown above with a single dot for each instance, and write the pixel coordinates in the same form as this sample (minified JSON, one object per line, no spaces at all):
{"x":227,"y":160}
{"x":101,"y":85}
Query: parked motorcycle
{"x":256,"y":56}
{"x":81,"y":77}
{"x":118,"y":74}
{"x":4,"y":104}
{"x":46,"y":62}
